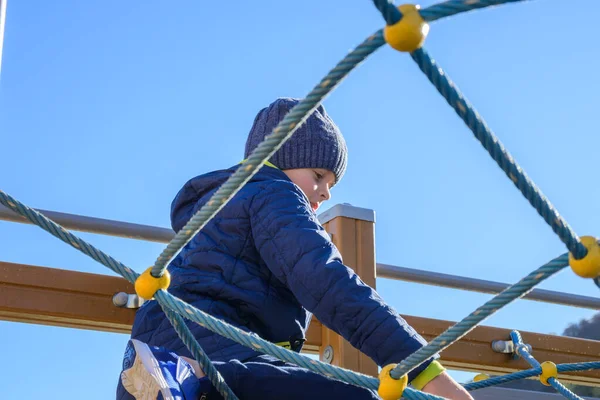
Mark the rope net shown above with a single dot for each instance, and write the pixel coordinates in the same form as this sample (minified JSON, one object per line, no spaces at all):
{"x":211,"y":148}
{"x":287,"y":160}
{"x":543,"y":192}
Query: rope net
{"x":406,"y":28}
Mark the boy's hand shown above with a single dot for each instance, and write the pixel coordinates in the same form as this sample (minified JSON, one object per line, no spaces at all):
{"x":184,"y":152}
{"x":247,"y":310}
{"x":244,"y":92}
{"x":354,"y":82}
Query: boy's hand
{"x":443,"y":385}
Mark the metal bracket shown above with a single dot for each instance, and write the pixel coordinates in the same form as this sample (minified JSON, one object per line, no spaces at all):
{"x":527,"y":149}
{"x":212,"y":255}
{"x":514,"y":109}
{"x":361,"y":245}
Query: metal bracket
{"x":507,"y":346}
{"x":124,"y":300}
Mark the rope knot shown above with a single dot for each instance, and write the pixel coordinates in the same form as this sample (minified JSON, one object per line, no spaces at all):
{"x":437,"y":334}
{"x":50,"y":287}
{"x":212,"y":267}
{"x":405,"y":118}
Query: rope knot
{"x":589,"y":265}
{"x":549,"y":370}
{"x":390,"y":388}
{"x":480,"y":377}
{"x":147,"y":285}
{"x":409,"y":33}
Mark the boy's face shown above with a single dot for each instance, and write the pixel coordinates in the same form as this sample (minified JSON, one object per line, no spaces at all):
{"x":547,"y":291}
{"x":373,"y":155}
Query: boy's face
{"x":314,"y":182}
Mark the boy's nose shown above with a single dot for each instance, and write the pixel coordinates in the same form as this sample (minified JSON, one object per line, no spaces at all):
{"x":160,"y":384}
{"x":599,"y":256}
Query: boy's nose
{"x":325,"y":194}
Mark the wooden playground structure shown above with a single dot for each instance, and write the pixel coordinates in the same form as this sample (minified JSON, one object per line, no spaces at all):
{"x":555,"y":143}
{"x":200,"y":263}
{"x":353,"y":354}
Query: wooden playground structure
{"x":49,"y":296}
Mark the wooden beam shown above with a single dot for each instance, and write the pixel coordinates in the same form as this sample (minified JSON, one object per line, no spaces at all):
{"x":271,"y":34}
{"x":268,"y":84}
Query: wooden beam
{"x":57,"y":297}
{"x":474,"y":353}
{"x":48,"y":296}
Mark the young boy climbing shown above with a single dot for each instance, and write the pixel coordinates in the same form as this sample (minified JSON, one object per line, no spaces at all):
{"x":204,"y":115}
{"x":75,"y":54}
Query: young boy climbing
{"x":265,"y":265}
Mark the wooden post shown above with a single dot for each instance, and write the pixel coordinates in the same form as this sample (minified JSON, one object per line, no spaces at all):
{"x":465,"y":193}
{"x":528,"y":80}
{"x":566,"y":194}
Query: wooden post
{"x":353,"y":232}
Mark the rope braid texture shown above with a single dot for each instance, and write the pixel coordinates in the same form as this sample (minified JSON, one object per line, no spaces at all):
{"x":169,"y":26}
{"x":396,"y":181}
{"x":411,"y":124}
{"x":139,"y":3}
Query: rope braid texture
{"x":175,"y":308}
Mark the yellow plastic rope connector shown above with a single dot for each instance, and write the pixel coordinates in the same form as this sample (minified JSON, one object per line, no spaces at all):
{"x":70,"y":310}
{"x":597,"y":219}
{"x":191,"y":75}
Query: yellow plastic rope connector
{"x":146,"y":285}
{"x":480,"y":377}
{"x":410,"y":32}
{"x":588,"y":266}
{"x":390,"y":388}
{"x":549,"y":370}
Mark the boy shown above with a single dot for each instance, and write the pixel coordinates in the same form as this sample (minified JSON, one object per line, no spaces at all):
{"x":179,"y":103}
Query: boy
{"x":264,"y":264}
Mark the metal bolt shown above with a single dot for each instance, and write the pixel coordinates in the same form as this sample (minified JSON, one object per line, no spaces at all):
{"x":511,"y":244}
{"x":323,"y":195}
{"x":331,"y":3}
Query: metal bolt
{"x":328,"y":354}
{"x":124,"y":300}
{"x":120,"y":299}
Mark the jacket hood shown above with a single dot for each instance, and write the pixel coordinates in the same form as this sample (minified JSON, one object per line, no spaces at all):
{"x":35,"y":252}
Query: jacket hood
{"x":200,"y":187}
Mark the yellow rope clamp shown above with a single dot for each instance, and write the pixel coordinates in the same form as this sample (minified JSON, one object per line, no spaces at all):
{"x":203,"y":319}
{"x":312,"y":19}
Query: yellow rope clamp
{"x":390,"y":388}
{"x":146,"y":285}
{"x":588,"y":266}
{"x":549,"y":370}
{"x":480,"y":377}
{"x":410,"y":32}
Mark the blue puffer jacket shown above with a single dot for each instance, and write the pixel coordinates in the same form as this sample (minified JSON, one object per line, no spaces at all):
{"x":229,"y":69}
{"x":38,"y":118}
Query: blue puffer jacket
{"x":264,"y":264}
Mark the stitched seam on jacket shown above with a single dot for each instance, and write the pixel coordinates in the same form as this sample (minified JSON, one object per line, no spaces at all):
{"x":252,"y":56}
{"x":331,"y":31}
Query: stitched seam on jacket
{"x":281,"y":258}
{"x":278,"y":251}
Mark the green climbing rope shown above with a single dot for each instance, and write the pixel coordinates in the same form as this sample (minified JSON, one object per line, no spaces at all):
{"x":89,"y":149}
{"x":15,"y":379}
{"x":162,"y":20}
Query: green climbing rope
{"x":175,"y":308}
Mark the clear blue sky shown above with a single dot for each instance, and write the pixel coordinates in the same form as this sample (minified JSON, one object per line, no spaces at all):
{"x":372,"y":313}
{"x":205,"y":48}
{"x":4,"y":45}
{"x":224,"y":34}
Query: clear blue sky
{"x":107,"y":108}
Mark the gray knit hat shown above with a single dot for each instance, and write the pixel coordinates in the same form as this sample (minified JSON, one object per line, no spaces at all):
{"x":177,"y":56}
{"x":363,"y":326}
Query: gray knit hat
{"x":318,"y":143}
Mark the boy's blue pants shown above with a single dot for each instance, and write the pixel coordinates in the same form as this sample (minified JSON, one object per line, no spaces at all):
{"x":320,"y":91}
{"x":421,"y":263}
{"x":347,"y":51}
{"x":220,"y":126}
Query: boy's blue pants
{"x":266,"y":377}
